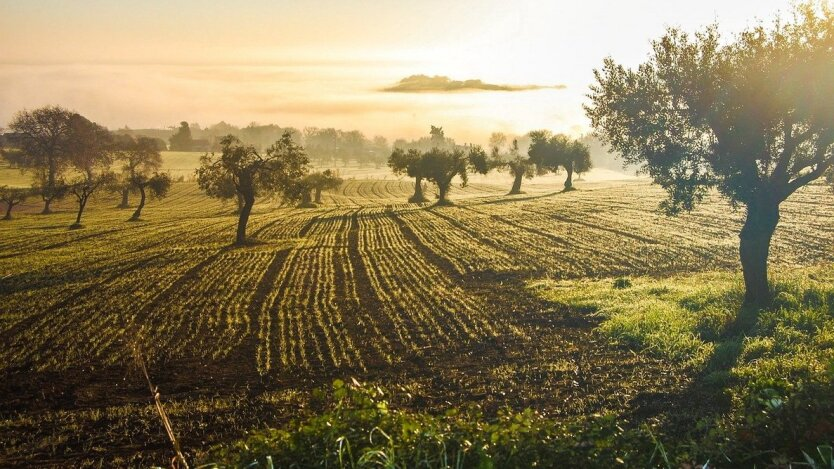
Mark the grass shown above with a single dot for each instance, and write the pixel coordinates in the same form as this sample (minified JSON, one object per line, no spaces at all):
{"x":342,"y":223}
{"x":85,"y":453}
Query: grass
{"x":425,"y":299}
{"x":774,"y":366}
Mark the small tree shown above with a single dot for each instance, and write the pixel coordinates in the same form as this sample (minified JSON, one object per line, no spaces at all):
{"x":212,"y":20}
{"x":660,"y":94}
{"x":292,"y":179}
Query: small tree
{"x":753,"y":117}
{"x":252,"y":174}
{"x":43,"y":137}
{"x":440,"y":166}
{"x":511,"y":160}
{"x":12,"y":196}
{"x":91,"y":148}
{"x":409,"y":162}
{"x":140,"y":171}
{"x":551,"y":152}
{"x":84,"y":187}
{"x":316,"y":183}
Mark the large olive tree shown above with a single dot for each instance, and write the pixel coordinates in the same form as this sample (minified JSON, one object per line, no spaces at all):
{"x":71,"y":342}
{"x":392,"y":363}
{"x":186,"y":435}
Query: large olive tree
{"x":752,"y":117}
{"x":252,"y":174}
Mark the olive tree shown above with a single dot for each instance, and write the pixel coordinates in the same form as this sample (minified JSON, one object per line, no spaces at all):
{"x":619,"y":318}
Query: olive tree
{"x":141,"y":161}
{"x":508,"y":157}
{"x":752,"y":116}
{"x":252,"y":174}
{"x":42,"y":138}
{"x":91,"y":155}
{"x":552,"y":152}
{"x":317,"y":182}
{"x":409,"y":162}
{"x":442,"y":165}
{"x":11,"y":196}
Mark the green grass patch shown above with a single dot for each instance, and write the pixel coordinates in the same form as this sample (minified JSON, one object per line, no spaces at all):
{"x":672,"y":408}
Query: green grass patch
{"x":776,"y":365}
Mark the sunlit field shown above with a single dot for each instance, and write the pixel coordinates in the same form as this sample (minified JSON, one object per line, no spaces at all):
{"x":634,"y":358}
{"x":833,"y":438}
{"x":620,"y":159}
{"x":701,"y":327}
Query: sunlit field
{"x":432,"y":300}
{"x":435,"y":235}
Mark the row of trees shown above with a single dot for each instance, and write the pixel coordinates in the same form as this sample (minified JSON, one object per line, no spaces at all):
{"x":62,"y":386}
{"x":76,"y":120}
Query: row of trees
{"x":67,"y":154}
{"x":323,"y":145}
{"x":439,"y":160}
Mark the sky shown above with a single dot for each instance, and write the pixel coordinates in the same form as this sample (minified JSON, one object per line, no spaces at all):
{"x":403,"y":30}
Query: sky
{"x":328,"y":63}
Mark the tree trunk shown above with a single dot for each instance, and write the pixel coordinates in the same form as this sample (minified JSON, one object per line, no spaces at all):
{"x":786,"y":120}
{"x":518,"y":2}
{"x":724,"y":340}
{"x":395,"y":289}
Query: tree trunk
{"x":46,"y":202}
{"x":248,"y":202}
{"x":443,"y":196}
{"x":318,"y":195}
{"x":138,"y":212}
{"x":517,"y":184}
{"x":8,"y":211}
{"x":81,"y":204}
{"x":124,"y":203}
{"x":418,"y":191}
{"x":569,"y":180}
{"x":754,"y":248}
{"x":307,"y":200}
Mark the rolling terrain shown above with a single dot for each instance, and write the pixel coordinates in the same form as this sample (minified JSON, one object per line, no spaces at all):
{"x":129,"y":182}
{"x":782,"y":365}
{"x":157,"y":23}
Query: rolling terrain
{"x":431,"y":299}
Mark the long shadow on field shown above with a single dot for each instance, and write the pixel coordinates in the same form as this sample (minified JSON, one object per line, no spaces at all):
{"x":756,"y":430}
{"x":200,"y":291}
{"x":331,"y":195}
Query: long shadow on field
{"x":705,"y":396}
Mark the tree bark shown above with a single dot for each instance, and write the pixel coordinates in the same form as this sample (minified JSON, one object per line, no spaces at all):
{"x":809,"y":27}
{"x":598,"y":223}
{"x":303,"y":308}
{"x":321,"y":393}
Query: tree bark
{"x":124,"y":203}
{"x":443,"y":196}
{"x":138,"y":212}
{"x":248,"y":202}
{"x":306,"y":200}
{"x":46,"y":202}
{"x":517,"y":184}
{"x":569,"y":180}
{"x":418,"y":191}
{"x":754,"y":249}
{"x":318,"y":195}
{"x":81,"y":204}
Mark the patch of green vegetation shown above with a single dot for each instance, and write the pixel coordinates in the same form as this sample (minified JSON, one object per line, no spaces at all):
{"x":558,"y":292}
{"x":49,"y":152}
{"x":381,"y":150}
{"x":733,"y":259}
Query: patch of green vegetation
{"x":360,"y":429}
{"x":775,"y":365}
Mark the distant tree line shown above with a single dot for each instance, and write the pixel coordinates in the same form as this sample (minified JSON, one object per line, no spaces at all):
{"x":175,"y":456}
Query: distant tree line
{"x":324,"y":146}
{"x":437,"y":159}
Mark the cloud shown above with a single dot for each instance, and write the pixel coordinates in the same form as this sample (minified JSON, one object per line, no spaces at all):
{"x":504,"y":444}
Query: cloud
{"x":441,"y":84}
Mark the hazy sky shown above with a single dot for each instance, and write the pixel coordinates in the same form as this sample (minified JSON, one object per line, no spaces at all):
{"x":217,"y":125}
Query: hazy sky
{"x":324,"y":63}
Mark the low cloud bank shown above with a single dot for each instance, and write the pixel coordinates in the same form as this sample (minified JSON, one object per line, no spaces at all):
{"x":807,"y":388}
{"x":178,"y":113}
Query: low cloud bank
{"x":437,"y":83}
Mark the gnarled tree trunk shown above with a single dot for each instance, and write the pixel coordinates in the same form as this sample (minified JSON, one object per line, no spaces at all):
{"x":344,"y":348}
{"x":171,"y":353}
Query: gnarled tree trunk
{"x":754,"y":248}
{"x":245,"y":211}
{"x":307,"y":200}
{"x":569,"y":180}
{"x":9,"y":207}
{"x":418,"y":191}
{"x":443,"y":193}
{"x":318,"y":195}
{"x":47,"y":200}
{"x":82,"y":202}
{"x":124,"y":203}
{"x":138,"y":212}
{"x":517,"y":183}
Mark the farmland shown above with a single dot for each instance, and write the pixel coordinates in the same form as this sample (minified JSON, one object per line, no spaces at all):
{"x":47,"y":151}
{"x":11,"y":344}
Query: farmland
{"x":426,"y":298}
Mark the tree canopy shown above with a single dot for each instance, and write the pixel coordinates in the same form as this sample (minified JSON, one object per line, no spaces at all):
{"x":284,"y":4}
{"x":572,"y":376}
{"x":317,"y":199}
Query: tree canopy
{"x":551,"y":152}
{"x":507,"y":156}
{"x":752,"y":117}
{"x":43,"y":143}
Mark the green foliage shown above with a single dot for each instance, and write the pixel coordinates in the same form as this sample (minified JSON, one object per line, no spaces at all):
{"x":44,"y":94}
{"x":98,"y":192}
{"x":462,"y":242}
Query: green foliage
{"x":738,"y":115}
{"x":360,"y":429}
